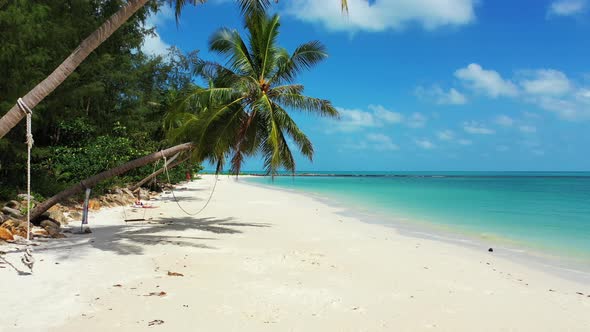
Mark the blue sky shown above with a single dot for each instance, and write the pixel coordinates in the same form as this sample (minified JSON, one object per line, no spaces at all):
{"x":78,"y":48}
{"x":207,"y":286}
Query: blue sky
{"x":431,"y":84}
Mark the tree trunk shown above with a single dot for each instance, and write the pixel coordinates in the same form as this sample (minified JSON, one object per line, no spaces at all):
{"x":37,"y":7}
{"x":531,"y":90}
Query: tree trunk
{"x":93,"y":180}
{"x":156,"y":173}
{"x":34,"y":97}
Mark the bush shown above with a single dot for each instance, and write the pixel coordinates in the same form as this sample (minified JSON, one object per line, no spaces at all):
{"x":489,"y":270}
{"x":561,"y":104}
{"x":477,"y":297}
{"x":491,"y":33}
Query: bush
{"x":70,"y":164}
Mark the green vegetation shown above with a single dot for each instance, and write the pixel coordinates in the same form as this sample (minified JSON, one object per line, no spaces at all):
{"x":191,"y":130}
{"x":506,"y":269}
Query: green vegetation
{"x":244,"y":110}
{"x":107,"y":112}
{"x":110,"y":109}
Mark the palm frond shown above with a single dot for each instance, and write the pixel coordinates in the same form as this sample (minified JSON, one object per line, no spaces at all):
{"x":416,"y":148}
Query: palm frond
{"x":253,"y":7}
{"x":213,"y":120}
{"x":305,"y":57}
{"x":286,"y":89}
{"x":344,"y":6}
{"x":179,"y":4}
{"x":230,"y":44}
{"x":287,"y":159}
{"x":263,"y":32}
{"x":297,"y":101}
{"x":287,"y":124}
{"x":245,"y":143}
{"x":212,"y":71}
{"x":271,"y":145}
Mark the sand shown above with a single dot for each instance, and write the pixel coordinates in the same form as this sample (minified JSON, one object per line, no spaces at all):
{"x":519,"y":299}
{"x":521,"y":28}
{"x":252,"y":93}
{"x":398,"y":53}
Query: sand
{"x":259,"y":259}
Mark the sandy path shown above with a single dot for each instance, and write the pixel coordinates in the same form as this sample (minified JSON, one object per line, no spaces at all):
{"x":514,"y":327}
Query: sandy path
{"x":259,"y":259}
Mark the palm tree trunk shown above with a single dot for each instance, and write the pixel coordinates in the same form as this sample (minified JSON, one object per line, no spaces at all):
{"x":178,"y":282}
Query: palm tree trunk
{"x":156,"y":173}
{"x":34,"y":97}
{"x":93,"y":180}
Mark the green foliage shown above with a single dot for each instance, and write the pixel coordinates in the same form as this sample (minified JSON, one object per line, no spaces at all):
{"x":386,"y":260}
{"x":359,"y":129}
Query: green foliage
{"x":75,"y":131}
{"x":107,"y":112}
{"x":246,"y":108}
{"x":73,"y":164}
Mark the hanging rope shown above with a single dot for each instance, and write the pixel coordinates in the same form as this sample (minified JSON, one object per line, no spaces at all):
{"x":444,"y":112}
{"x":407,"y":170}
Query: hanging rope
{"x":153,"y":181}
{"x":28,"y":259}
{"x":176,"y":199}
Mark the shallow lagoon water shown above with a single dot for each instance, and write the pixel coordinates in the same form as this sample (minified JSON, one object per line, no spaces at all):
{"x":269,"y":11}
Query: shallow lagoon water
{"x":547,"y":213}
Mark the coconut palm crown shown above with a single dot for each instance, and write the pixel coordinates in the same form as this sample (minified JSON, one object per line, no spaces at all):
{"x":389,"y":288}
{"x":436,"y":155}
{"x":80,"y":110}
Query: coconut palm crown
{"x":245,"y":109}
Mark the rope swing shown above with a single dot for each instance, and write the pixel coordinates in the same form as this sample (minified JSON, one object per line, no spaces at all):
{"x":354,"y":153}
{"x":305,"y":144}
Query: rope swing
{"x":28,"y":259}
{"x":176,"y":199}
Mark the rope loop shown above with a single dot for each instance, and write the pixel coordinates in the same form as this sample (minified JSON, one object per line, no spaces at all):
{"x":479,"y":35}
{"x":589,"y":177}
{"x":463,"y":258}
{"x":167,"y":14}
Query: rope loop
{"x":28,"y":113}
{"x":23,"y":107}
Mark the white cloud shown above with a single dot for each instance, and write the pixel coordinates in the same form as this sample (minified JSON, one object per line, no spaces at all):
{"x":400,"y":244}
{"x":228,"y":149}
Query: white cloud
{"x":549,"y":89}
{"x":502,"y":148}
{"x":154,"y":44}
{"x":377,"y":142}
{"x":553,"y":91}
{"x":530,"y":115}
{"x":445,"y":135}
{"x":425,"y":144}
{"x":465,"y":142}
{"x":567,"y":7}
{"x":440,"y":96}
{"x":382,"y":142}
{"x":453,"y":97}
{"x":504,"y":120}
{"x":473,"y":127}
{"x":485,"y":81}
{"x":450,"y":136}
{"x":383,"y":114}
{"x":569,"y":109}
{"x":356,"y":119}
{"x":527,"y":129}
{"x":546,"y":82}
{"x":164,"y":15}
{"x":507,"y":121}
{"x":360,"y":145}
{"x":376,"y":117}
{"x":381,"y":15}
{"x":583,"y":95}
{"x":416,"y":120}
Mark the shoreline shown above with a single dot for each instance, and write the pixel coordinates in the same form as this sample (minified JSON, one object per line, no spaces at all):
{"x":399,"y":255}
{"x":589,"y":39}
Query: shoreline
{"x":262,"y":259}
{"x":530,"y":256}
{"x":427,"y":174}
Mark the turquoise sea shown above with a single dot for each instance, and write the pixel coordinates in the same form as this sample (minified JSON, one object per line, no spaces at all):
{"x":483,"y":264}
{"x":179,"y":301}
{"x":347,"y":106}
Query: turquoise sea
{"x":546,"y":214}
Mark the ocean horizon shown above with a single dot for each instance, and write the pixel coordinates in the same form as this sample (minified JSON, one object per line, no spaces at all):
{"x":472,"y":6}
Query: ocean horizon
{"x":544,"y":214}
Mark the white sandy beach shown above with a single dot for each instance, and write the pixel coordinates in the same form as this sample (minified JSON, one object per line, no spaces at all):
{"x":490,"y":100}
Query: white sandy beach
{"x":259,"y":259}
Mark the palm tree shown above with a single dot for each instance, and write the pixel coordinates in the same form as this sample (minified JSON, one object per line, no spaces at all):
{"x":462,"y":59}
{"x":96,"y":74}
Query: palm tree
{"x":244,"y":110}
{"x":67,"y":67}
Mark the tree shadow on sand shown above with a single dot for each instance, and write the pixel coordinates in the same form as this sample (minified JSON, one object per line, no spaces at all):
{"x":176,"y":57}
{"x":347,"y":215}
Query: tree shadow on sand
{"x":131,"y":238}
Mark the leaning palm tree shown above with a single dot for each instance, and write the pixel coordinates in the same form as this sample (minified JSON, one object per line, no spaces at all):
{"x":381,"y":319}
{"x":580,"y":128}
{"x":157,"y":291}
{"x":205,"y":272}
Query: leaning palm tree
{"x":67,"y":67}
{"x":245,"y":110}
